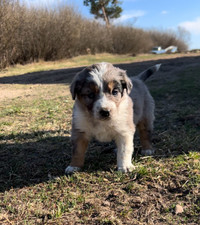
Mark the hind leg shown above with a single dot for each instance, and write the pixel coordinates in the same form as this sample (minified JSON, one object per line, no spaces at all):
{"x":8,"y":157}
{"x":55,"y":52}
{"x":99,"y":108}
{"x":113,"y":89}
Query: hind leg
{"x":145,"y":128}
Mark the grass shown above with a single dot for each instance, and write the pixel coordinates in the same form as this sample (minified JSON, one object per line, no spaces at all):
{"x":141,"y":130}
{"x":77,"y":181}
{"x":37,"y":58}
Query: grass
{"x":35,"y":149}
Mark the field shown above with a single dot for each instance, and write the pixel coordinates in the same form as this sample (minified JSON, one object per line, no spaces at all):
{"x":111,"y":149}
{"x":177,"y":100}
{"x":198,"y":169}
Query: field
{"x":35,"y":148}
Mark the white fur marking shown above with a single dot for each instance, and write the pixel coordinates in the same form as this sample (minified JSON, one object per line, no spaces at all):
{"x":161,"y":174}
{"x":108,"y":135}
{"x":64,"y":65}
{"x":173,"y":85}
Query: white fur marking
{"x":126,"y":169}
{"x":97,"y":74}
{"x":157,"y":66}
{"x":103,"y":103}
{"x":124,"y":153}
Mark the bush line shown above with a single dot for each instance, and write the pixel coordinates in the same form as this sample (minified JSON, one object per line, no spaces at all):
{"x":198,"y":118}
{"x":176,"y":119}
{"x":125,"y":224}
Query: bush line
{"x":29,"y":34}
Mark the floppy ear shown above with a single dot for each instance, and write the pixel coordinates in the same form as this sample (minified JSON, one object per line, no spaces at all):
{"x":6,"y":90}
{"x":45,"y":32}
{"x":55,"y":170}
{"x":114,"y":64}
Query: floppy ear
{"x":74,"y":88}
{"x":126,"y":81}
{"x":77,"y":83}
{"x":80,"y":79}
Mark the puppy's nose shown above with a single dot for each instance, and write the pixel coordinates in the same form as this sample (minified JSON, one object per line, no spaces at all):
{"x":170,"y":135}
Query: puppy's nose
{"x":104,"y":113}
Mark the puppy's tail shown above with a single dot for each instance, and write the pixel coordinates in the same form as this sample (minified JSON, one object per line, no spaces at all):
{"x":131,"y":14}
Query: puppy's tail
{"x":147,"y":73}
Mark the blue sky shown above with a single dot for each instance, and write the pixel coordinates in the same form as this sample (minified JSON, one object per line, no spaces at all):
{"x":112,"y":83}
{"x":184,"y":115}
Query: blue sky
{"x":148,"y":14}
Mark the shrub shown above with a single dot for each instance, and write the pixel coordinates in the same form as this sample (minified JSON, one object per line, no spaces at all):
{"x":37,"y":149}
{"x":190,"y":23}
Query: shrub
{"x":130,"y":40}
{"x":29,"y":34}
{"x":167,"y":38}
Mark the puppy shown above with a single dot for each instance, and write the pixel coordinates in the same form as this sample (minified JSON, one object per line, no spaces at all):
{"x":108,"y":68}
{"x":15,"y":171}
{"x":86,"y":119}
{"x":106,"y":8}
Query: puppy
{"x":108,"y":108}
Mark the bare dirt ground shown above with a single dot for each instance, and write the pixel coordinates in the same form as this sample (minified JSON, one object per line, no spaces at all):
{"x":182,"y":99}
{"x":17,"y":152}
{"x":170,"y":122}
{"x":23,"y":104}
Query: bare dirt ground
{"x":35,"y":123}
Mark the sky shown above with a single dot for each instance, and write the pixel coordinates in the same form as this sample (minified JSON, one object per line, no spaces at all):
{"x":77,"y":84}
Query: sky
{"x":150,"y":14}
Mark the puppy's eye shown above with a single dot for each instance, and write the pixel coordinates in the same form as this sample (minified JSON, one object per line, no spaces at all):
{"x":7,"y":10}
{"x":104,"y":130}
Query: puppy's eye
{"x":115,"y":92}
{"x":91,"y":95}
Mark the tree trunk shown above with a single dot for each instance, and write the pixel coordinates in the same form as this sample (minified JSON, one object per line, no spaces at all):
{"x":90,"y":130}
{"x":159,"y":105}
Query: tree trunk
{"x":105,"y":16}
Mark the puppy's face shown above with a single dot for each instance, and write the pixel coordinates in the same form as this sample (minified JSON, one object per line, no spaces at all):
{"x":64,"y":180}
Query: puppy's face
{"x":100,"y":89}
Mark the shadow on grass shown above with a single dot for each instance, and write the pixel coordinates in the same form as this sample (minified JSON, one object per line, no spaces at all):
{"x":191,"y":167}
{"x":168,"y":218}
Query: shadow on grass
{"x":30,"y":158}
{"x":66,"y":75}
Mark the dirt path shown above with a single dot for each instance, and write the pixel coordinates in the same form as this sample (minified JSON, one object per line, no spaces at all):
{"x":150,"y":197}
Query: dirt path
{"x":170,"y":65}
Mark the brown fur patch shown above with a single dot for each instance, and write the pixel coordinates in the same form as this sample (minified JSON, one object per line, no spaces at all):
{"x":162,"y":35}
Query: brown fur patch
{"x":80,"y":145}
{"x":110,"y":86}
{"x":88,"y":94}
{"x":145,"y":134}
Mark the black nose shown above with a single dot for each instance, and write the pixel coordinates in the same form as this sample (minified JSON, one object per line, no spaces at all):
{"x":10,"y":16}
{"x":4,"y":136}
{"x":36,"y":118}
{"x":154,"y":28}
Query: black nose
{"x":104,"y":113}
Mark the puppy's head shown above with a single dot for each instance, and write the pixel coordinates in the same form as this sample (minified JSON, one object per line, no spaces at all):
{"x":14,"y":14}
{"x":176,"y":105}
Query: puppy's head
{"x":100,"y":89}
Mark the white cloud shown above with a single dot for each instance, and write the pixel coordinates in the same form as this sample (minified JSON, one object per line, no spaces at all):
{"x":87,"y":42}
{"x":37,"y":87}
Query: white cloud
{"x":128,"y":15}
{"x":164,"y":12}
{"x":192,"y":26}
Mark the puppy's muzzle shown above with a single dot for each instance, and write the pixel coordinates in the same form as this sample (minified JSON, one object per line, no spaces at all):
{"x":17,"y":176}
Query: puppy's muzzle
{"x":104,"y":113}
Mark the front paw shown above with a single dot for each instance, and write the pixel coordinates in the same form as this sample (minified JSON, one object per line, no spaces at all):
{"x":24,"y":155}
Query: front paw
{"x":125,"y":169}
{"x":71,"y":169}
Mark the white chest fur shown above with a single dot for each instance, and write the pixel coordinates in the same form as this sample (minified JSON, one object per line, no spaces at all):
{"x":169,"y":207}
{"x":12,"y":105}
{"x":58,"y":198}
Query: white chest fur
{"x":104,"y":130}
